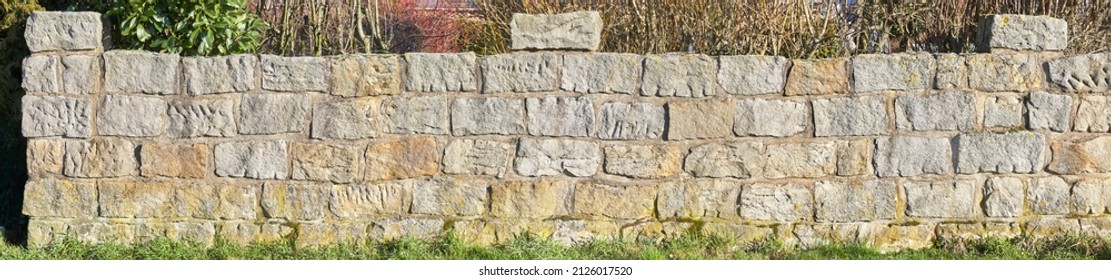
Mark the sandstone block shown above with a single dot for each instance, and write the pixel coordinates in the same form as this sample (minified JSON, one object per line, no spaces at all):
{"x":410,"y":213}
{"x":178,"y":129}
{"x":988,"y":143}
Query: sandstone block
{"x":854,"y":157}
{"x":776,"y":202}
{"x":520,"y":72}
{"x":941,"y":199}
{"x":1052,"y":227}
{"x":366,"y":75}
{"x":449,"y":197}
{"x":898,"y":72}
{"x":1004,"y":197}
{"x":345,"y":119}
{"x":487,"y":115}
{"x":294,"y":74}
{"x":221,"y":74}
{"x":417,"y":115}
{"x":532,"y":199}
{"x":560,"y":116}
{"x":194,"y":117}
{"x":952,"y":72}
{"x":63,"y":31}
{"x":477,"y":157}
{"x":818,"y":77}
{"x":398,"y":228}
{"x":258,"y":159}
{"x":1022,"y":32}
{"x":402,"y":158}
{"x":370,"y":200}
{"x":567,"y":31}
{"x":294,"y":201}
{"x":602,"y":73}
{"x":1049,"y":111}
{"x":753,"y":74}
{"x":134,"y":116}
{"x":939,"y":111}
{"x":854,"y":116}
{"x":1049,"y":196}
{"x":764,"y":117}
{"x":1081,"y":156}
{"x":44,"y":157}
{"x":551,"y":157}
{"x":911,"y":156}
{"x":433,"y":72}
{"x":128,"y":71}
{"x":841,"y":201}
{"x":81,"y":74}
{"x":1081,"y":73}
{"x":215,"y":201}
{"x":1093,"y":115}
{"x":614,"y":202}
{"x":736,"y":159}
{"x":272,"y":113}
{"x":45,"y":116}
{"x":326,"y":162}
{"x":1015,"y":152}
{"x":40,"y":74}
{"x":174,"y":160}
{"x":1091,"y":197}
{"x":1003,"y":72}
{"x":320,"y":234}
{"x":628,"y":121}
{"x":699,"y":120}
{"x":680,"y":75}
{"x":800,"y":160}
{"x":697,"y":198}
{"x":135,"y":199}
{"x":100,"y":158}
{"x":643,"y":161}
{"x":1003,"y":111}
{"x":60,"y":198}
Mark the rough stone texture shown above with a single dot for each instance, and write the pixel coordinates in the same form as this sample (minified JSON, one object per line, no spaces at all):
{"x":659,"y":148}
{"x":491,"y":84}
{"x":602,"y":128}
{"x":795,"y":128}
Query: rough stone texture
{"x":1091,"y":197}
{"x":614,"y":202}
{"x":520,"y":72}
{"x":221,"y":74}
{"x":417,"y":115}
{"x":776,"y":202}
{"x":940,"y":111}
{"x":56,"y":31}
{"x":45,"y":116}
{"x":1093,"y":115}
{"x":81,"y":74}
{"x":1003,"y":111}
{"x":60,"y":198}
{"x":699,"y":119}
{"x":449,"y":197}
{"x":345,"y":119}
{"x":259,"y":159}
{"x":800,"y":160}
{"x":1049,"y":111}
{"x":696,"y":198}
{"x":859,"y":116}
{"x":1081,"y":73}
{"x":1004,"y":197}
{"x":326,"y":162}
{"x":141,"y":72}
{"x":567,"y":31}
{"x":845,"y":200}
{"x":1004,"y":72}
{"x":818,"y":77}
{"x":680,"y":75}
{"x":215,"y":201}
{"x":1081,"y":156}
{"x":366,"y":75}
{"x":487,"y":115}
{"x":1049,"y":196}
{"x":560,"y":116}
{"x":174,"y":160}
{"x":911,"y":156}
{"x":40,"y":74}
{"x":272,"y":113}
{"x":765,"y":117}
{"x":952,"y":72}
{"x":134,"y":116}
{"x":753,"y":74}
{"x":1014,"y":152}
{"x":393,"y":229}
{"x":135,"y":199}
{"x":899,"y":72}
{"x":601,"y":73}
{"x":736,"y":159}
{"x":1022,"y":32}
{"x":370,"y":200}
{"x":941,"y":199}
{"x":202,"y":118}
{"x":532,"y":199}
{"x":294,"y":201}
{"x":294,"y":74}
{"x":643,"y":161}
{"x":402,"y":158}
{"x":44,"y":157}
{"x":477,"y":157}
{"x":100,"y":158}
{"x":854,"y":157}
{"x":632,"y":121}
{"x":556,"y":156}
{"x":434,"y":72}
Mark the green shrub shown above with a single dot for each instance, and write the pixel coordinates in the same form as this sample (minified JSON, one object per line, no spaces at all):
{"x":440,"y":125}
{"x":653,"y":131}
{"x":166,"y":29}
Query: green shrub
{"x":196,"y":27}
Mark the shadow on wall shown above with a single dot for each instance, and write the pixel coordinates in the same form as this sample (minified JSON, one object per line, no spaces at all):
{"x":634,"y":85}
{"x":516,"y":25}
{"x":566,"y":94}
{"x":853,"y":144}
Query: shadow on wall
{"x":13,"y":171}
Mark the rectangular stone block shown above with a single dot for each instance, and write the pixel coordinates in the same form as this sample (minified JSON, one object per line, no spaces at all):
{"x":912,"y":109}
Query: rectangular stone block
{"x":294,"y":74}
{"x":220,"y":74}
{"x":936,"y":111}
{"x":1049,"y":111}
{"x":1004,"y":72}
{"x":417,"y":115}
{"x":614,"y":202}
{"x":1093,"y":114}
{"x":63,"y":31}
{"x":1004,"y":197}
{"x":60,"y":198}
{"x":449,"y":197}
{"x":679,"y":75}
{"x":752,"y":74}
{"x":272,"y":113}
{"x":854,"y":157}
{"x":215,"y":201}
{"x":643,"y":161}
{"x":370,"y":200}
{"x":100,"y":158}
{"x":127,"y":71}
{"x":174,"y":160}
{"x":1081,"y":156}
{"x":1014,"y":152}
{"x":842,"y":201}
{"x":402,"y":158}
{"x":567,"y":31}
{"x":195,"y":117}
{"x":601,"y":72}
{"x":81,"y":74}
{"x":44,"y":157}
{"x":40,"y":74}
{"x":696,"y":198}
{"x":392,"y":229}
{"x":487,"y":115}
{"x":45,"y":116}
{"x":630,"y":121}
{"x":435,"y":72}
{"x":800,"y":160}
{"x":336,"y":163}
{"x":699,"y":119}
{"x":941,"y":199}
{"x":366,"y":75}
{"x":528,"y":72}
{"x":540,"y":198}
{"x":1081,"y":73}
{"x":767,"y":117}
{"x":896,"y":72}
{"x":1091,"y":197}
{"x":551,"y":157}
{"x":477,"y":157}
{"x":782,"y":203}
{"x":735,"y":159}
{"x":952,"y":72}
{"x":258,"y":159}
{"x":850,"y":116}
{"x":1003,"y":111}
{"x":136,"y":199}
{"x":560,"y":116}
{"x":1049,"y":196}
{"x":294,"y":201}
{"x":134,"y":116}
{"x":906,"y":156}
{"x":345,"y":119}
{"x":818,"y":77}
{"x":1022,"y":32}
{"x":325,"y":233}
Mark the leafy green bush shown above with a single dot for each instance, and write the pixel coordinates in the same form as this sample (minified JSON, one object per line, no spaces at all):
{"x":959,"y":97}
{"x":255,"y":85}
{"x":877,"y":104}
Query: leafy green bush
{"x":195,"y":27}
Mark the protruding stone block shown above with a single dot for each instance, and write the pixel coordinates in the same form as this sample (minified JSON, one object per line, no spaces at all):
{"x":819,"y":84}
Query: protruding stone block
{"x":818,"y":77}
{"x":520,"y":73}
{"x":642,"y":161}
{"x":63,"y":31}
{"x":941,"y":199}
{"x":699,"y":119}
{"x":45,"y":116}
{"x":737,"y":160}
{"x":128,"y":71}
{"x":560,"y":116}
{"x":1082,"y":73}
{"x":765,"y":117}
{"x":100,"y":158}
{"x":221,"y":74}
{"x":898,"y":72}
{"x":776,"y":202}
{"x":1015,"y":152}
{"x":567,"y":31}
{"x":433,"y":72}
{"x":272,"y":113}
{"x":326,"y":162}
{"x":487,"y":115}
{"x":294,"y":74}
{"x":174,"y":160}
{"x":753,"y":74}
{"x":366,"y":75}
{"x":850,"y":116}
{"x":477,"y":157}
{"x":842,"y":201}
{"x":938,"y":111}
{"x":345,"y":119}
{"x":194,"y":117}
{"x":551,"y":157}
{"x":1049,"y":111}
{"x":602,"y":72}
{"x":252,"y":159}
{"x":134,"y":116}
{"x":908,"y":156}
{"x":629,"y":121}
{"x":402,"y":158}
{"x":1023,"y":33}
{"x":680,"y":75}
{"x":417,"y":115}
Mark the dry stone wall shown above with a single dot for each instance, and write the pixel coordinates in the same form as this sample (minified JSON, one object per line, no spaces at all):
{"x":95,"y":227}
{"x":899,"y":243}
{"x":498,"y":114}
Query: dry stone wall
{"x":894,"y":150}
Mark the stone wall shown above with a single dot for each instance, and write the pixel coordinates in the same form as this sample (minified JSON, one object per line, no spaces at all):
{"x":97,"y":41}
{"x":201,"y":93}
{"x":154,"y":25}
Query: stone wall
{"x":892,"y":150}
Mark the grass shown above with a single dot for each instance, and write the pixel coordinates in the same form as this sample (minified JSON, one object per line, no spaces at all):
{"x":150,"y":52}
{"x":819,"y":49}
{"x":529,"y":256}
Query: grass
{"x":695,"y":247}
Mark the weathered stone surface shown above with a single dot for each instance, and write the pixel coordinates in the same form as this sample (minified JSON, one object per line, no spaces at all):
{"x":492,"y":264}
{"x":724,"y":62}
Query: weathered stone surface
{"x":69,"y":31}
{"x":1015,"y":152}
{"x":326,"y":162}
{"x":1049,"y":111}
{"x":752,"y":74}
{"x":174,"y":160}
{"x":911,"y":156}
{"x":402,"y":158}
{"x":366,"y":75}
{"x":818,"y":77}
{"x":477,"y":157}
{"x":699,"y":119}
{"x":1093,"y":115}
{"x":1081,"y":73}
{"x":601,"y":72}
{"x":450,"y":197}
{"x":551,"y":157}
{"x":899,"y":72}
{"x":434,"y":72}
{"x":615,"y":202}
{"x":417,"y":115}
{"x":319,"y":234}
{"x":560,"y":116}
{"x":220,"y":74}
{"x":487,"y":115}
{"x":370,"y":200}
{"x":1003,"y":111}
{"x":1052,"y":227}
{"x":567,"y":31}
{"x":952,"y":73}
{"x":1049,"y":196}
{"x":629,"y":121}
{"x":938,"y":111}
{"x":1091,"y":197}
{"x":272,"y":113}
{"x":40,"y":74}
{"x":215,"y":201}
{"x":134,"y":116}
{"x":1004,"y":197}
{"x":695,"y":198}
{"x":765,"y":117}
{"x":257,"y":159}
{"x":1081,"y":156}
{"x":294,"y":201}
{"x":60,"y":198}
{"x":45,"y":231}
{"x":345,"y":119}
{"x":1023,"y":32}
{"x":398,"y":228}
{"x":800,"y":160}
{"x":44,"y":157}
{"x":941,"y":199}
{"x":643,"y":161}
{"x":1003,"y":72}
{"x":294,"y":74}
{"x":100,"y":158}
{"x":128,"y":71}
{"x":45,"y":116}
{"x":736,"y":159}
{"x":1100,"y":226}
{"x":680,"y":75}
{"x":776,"y":202}
{"x":854,"y":157}
{"x":202,"y":118}
{"x":855,"y":116}
{"x":532,"y":199}
{"x":528,"y":72}
{"x":135,"y":199}
{"x":81,"y":74}
{"x":850,"y":200}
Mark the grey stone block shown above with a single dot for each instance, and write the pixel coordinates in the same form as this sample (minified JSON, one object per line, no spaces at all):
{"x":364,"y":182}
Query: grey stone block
{"x":1023,"y":32}
{"x":850,"y":116}
{"x":253,"y":159}
{"x":941,"y":199}
{"x":345,"y":119}
{"x":417,"y":114}
{"x":520,"y":72}
{"x":1015,"y":152}
{"x":1049,"y":196}
{"x":141,"y":72}
{"x":40,"y":74}
{"x":908,"y":156}
{"x":194,"y":117}
{"x":1081,"y":73}
{"x":272,"y":113}
{"x":567,"y":31}
{"x":938,"y":111}
{"x":1049,"y":111}
{"x":134,"y":116}
{"x":800,"y":160}
{"x":63,"y":31}
{"x":100,"y":158}
{"x":45,"y":116}
{"x":1004,"y":72}
{"x":643,"y":161}
{"x":551,"y":157}
{"x":560,"y":116}
{"x":952,"y":73}
{"x":843,"y":201}
{"x":488,"y":115}
{"x":630,"y":121}
{"x":221,"y":74}
{"x":776,"y":202}
{"x":81,"y":74}
{"x":602,"y":72}
{"x":752,"y":74}
{"x":449,"y":197}
{"x":1093,"y":114}
{"x":764,"y":117}
{"x":294,"y":74}
{"x":680,"y":75}
{"x":432,"y":72}
{"x":1003,"y":111}
{"x":735,"y":159}
{"x":898,"y":72}
{"x":1004,"y":197}
{"x":477,"y":157}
